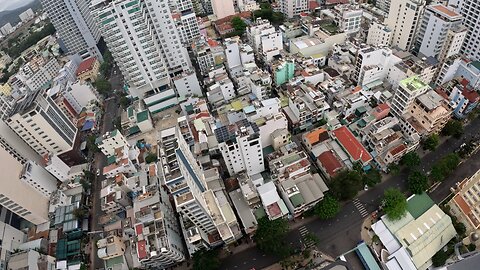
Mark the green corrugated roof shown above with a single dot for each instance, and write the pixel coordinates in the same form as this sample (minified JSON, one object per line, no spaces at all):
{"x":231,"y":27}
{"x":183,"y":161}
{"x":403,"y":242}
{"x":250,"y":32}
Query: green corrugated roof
{"x":259,"y":213}
{"x":111,"y":160}
{"x":476,"y":64}
{"x":366,"y":257}
{"x":130,"y":111}
{"x":268,"y":150}
{"x":142,"y":116}
{"x":133,"y":130}
{"x":114,"y":261}
{"x":297,"y":200}
{"x":419,"y":204}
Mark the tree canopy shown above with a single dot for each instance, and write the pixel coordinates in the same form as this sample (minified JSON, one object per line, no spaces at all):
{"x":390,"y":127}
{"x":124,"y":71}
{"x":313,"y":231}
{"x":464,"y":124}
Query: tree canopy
{"x":106,"y":66}
{"x":444,"y":167}
{"x":346,"y":184}
{"x":372,"y":177}
{"x":266,"y":12}
{"x":327,"y":208}
{"x":417,"y":182}
{"x":395,"y":204}
{"x":103,"y":86}
{"x":16,"y":46}
{"x":410,"y":159}
{"x":431,"y":142}
{"x":439,"y":258}
{"x":453,"y":128}
{"x":151,"y":157}
{"x":206,"y":260}
{"x":270,"y":237}
{"x":393,"y":168}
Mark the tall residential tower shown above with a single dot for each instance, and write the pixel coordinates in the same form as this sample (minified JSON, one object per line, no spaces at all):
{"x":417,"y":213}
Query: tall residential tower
{"x":146,"y":45}
{"x":403,"y":19}
{"x":74,"y":23}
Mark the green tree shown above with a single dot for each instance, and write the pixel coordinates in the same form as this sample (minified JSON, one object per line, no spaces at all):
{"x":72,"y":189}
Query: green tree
{"x":453,"y":128}
{"x":444,"y":167}
{"x":270,"y":237}
{"x":346,"y":184}
{"x":124,"y":102}
{"x":103,"y":86}
{"x":16,"y":47}
{"x":238,"y":24}
{"x":436,"y":173}
{"x":417,"y":182}
{"x":151,"y":157}
{"x":431,"y":142}
{"x":105,"y":68}
{"x":327,"y":208}
{"x":439,"y":258}
{"x":91,"y":145}
{"x":393,"y":168}
{"x":395,"y":204}
{"x":410,"y":159}
{"x":79,"y":213}
{"x":206,"y":260}
{"x":372,"y":177}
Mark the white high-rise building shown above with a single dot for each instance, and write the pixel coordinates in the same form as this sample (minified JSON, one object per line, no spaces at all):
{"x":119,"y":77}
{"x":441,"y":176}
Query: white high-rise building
{"x":186,"y":20}
{"x":470,"y":10}
{"x":403,"y":19}
{"x":39,"y":121}
{"x":183,"y":177}
{"x":265,"y":40}
{"x":372,"y":64}
{"x":222,"y":8}
{"x":146,"y":45}
{"x":241,"y":147}
{"x":26,"y":15}
{"x":438,"y":21}
{"x":73,"y":21}
{"x":156,"y":226}
{"x":405,"y":95}
{"x":379,"y":34}
{"x":10,"y":240}
{"x":384,"y":5}
{"x":293,"y":8}
{"x":24,"y":192}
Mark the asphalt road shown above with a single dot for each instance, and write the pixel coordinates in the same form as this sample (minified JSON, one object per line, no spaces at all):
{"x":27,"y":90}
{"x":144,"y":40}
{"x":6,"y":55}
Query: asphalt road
{"x":110,"y":114}
{"x":341,"y":234}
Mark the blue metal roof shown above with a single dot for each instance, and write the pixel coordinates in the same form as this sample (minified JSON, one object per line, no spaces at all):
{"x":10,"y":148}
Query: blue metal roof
{"x":88,"y":125}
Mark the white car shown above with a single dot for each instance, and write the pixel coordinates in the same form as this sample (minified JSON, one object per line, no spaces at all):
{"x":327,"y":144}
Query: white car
{"x":98,"y":172}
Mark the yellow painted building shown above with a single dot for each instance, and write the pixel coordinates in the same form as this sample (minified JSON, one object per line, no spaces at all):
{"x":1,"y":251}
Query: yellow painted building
{"x":5,"y":89}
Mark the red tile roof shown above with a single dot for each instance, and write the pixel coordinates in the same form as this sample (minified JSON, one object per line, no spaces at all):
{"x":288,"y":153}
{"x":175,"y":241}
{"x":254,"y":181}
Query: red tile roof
{"x":86,"y":65}
{"x":313,"y":5}
{"x":212,"y":43}
{"x":443,"y":9}
{"x":354,"y":148}
{"x":398,"y":149}
{"x":472,"y":96}
{"x":317,"y":135}
{"x":383,"y":106}
{"x":329,"y":162}
{"x":141,"y":251}
{"x":139,"y":229}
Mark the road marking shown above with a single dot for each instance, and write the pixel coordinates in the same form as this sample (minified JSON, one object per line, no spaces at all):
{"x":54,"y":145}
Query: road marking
{"x":360,"y":207}
{"x":303,"y":231}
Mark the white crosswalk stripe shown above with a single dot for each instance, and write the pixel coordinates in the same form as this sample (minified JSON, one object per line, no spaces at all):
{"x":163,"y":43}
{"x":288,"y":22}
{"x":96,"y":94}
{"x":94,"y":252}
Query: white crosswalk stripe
{"x":303,"y":231}
{"x":360,"y":207}
{"x":308,"y":242}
